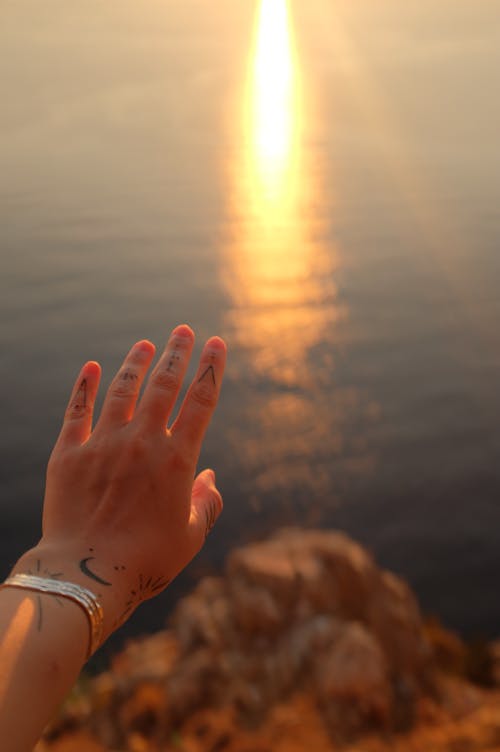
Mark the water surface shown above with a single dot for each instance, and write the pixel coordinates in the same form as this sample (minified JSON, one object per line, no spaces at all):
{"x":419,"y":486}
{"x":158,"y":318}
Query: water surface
{"x":319,"y":184}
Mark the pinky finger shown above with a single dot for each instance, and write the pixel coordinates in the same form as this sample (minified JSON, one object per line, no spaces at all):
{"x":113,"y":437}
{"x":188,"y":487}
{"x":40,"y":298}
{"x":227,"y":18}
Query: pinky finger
{"x":77,"y":424}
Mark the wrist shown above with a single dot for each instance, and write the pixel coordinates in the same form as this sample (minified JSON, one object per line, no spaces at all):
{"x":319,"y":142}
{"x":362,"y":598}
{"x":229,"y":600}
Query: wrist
{"x":62,"y":564}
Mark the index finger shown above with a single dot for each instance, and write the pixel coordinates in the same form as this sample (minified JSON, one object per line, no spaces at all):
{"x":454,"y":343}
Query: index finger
{"x":201,"y":399}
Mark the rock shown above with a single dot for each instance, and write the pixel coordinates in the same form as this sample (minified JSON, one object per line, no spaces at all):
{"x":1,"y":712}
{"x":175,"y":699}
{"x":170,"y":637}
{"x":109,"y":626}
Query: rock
{"x":305,"y":608}
{"x":306,"y":611}
{"x":352,"y":682}
{"x":394,"y":616}
{"x":495,"y":657}
{"x":191,"y":684}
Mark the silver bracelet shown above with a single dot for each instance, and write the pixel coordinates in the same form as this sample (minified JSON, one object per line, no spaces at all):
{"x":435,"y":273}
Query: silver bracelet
{"x":75,"y":593}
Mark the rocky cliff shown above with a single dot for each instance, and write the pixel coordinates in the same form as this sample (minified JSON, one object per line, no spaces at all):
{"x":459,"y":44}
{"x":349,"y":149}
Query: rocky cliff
{"x":302,"y":644}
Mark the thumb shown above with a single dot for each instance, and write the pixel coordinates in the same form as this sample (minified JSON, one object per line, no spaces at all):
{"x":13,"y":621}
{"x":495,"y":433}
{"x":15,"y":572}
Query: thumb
{"x":206,"y":506}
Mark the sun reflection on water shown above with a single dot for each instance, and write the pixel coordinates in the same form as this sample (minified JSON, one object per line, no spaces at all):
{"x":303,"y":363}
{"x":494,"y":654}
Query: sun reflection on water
{"x":273,"y":102}
{"x":280,"y":278}
{"x":279,"y":273}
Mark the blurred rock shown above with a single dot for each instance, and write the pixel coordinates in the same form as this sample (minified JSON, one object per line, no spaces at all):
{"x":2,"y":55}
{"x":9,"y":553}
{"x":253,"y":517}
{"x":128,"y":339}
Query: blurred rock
{"x":306,"y":613}
{"x":495,"y":657}
{"x":352,"y":683}
{"x":305,"y":608}
{"x":449,"y":652}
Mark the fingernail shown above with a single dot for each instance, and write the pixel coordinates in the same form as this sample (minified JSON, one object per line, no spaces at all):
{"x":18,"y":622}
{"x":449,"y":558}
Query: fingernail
{"x":145,"y":345}
{"x":212,"y":475}
{"x":183,"y":331}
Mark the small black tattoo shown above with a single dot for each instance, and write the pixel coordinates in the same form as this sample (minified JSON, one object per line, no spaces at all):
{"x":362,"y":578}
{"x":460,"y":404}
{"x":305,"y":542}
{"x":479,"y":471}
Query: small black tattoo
{"x":81,"y":396}
{"x":129,"y":375}
{"x":209,"y":369}
{"x":173,"y":357}
{"x":46,"y":572}
{"x":89,"y":573}
{"x":146,"y":588}
{"x":210,"y":518}
{"x":52,"y":576}
{"x":40,"y":614}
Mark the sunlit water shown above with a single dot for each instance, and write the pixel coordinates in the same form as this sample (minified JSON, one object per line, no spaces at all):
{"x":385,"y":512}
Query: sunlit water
{"x":319,"y":183}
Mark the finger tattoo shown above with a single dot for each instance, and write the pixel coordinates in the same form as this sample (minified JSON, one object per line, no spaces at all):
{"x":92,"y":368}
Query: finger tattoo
{"x":208,"y":371}
{"x":210,"y":517}
{"x":80,"y":401}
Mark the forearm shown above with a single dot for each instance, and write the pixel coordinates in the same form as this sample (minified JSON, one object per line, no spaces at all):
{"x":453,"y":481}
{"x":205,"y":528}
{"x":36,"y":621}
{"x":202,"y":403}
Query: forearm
{"x":122,"y":517}
{"x":43,"y":646}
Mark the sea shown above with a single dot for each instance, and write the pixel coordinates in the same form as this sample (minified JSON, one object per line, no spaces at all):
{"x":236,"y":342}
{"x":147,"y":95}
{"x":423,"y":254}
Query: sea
{"x":319,"y":184}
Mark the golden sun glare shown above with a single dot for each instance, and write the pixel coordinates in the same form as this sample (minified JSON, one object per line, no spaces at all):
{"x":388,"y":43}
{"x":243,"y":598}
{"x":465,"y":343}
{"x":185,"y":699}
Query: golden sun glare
{"x":275,"y":271}
{"x":273,"y":86}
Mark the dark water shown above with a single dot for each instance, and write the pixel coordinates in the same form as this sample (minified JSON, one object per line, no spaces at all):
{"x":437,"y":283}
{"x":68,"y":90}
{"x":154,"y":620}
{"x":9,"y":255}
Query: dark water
{"x":328,"y":203}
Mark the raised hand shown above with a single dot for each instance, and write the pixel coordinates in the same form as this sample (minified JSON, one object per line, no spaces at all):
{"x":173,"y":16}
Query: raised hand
{"x":123,"y":511}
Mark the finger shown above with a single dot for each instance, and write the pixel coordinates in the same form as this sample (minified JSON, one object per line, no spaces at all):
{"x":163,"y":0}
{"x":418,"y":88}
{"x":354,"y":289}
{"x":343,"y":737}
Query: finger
{"x":200,"y":401}
{"x":206,"y":507}
{"x":77,"y":424}
{"x":123,"y":391}
{"x":165,"y":381}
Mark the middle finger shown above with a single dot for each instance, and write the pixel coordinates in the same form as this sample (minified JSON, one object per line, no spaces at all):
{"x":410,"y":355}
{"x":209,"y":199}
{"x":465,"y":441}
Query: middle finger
{"x":165,"y":381}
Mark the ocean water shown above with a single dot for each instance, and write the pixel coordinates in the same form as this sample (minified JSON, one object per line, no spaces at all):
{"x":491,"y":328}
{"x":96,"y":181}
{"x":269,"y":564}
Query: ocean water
{"x":319,"y":183}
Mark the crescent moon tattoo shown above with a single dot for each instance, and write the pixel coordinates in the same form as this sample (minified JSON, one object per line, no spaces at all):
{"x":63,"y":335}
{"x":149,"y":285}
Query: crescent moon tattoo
{"x":89,"y":573}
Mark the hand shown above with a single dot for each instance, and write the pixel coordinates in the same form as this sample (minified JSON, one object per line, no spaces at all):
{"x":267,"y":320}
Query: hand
{"x":123,"y":514}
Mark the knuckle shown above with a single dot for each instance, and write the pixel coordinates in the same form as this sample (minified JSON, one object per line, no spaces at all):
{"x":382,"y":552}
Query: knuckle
{"x":204,"y":395}
{"x":180,"y":461}
{"x":55,"y":462}
{"x":93,"y":453}
{"x":137,"y":450}
{"x":61,"y":460}
{"x":126,"y":384}
{"x":166,"y":380}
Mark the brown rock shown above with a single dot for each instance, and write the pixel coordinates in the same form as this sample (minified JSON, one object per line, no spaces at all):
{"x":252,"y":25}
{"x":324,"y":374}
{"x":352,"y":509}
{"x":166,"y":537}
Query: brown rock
{"x":342,"y":577}
{"x":395,"y":618}
{"x":352,"y":682}
{"x":306,"y":611}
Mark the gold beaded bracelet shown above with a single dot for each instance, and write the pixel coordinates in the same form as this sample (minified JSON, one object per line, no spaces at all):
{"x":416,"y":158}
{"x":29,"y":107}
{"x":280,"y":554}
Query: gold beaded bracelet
{"x":75,"y":593}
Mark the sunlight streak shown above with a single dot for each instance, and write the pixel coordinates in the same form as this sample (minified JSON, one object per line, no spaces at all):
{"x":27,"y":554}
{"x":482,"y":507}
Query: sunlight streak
{"x":278,"y":274}
{"x":273,"y":96}
{"x":13,"y":639}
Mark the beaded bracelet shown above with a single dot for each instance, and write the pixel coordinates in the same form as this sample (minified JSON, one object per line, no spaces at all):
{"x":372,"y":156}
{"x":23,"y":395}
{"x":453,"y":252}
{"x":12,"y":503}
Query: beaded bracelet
{"x":75,"y":593}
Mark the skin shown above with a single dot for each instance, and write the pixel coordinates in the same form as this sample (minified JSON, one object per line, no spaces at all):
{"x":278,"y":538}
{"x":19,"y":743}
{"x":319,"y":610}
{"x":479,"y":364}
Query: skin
{"x":123,"y":514}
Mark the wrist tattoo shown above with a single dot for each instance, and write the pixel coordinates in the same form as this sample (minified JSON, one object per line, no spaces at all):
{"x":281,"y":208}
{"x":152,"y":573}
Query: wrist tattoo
{"x":84,"y":568}
{"x":146,"y":588}
{"x":39,"y":572}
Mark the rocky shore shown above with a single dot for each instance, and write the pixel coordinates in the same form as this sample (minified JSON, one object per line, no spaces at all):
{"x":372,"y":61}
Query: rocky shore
{"x":302,"y":644}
